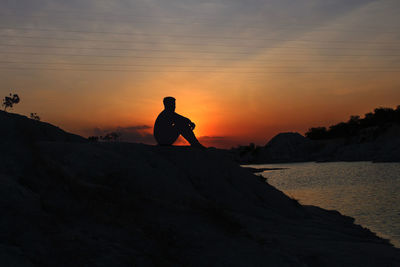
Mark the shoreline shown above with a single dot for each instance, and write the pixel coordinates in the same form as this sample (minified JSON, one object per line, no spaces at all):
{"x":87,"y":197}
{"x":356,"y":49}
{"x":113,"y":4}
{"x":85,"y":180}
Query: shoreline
{"x":322,"y":193}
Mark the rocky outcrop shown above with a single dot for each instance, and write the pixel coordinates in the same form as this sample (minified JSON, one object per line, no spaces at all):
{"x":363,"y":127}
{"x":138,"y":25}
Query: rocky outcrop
{"x":121,"y":204}
{"x":286,"y":147}
{"x":371,"y":144}
{"x":22,"y":129}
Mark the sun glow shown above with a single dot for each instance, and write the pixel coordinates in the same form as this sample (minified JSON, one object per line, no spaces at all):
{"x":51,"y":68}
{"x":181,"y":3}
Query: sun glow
{"x":241,"y":76}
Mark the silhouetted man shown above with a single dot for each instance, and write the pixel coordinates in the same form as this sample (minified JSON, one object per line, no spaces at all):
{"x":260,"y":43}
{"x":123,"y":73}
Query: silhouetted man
{"x":169,"y":125}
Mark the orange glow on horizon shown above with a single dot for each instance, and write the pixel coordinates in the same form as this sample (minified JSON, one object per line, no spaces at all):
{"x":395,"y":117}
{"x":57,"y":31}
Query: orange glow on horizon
{"x":240,"y":76}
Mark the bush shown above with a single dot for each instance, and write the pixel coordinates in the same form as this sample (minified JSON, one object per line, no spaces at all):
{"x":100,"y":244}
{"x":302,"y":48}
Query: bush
{"x":35,"y":117}
{"x":93,"y":138}
{"x":114,"y":136}
{"x":379,"y":118}
{"x":10,"y":101}
{"x":317,"y":133}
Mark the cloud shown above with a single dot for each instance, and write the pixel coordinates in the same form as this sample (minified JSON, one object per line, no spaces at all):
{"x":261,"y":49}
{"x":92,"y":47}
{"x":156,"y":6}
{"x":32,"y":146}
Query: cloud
{"x":218,"y":141}
{"x":135,"y":128}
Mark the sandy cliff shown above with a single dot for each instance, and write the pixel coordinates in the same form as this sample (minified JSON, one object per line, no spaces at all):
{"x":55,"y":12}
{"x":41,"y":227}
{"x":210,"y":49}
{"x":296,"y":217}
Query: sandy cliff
{"x":67,"y":202}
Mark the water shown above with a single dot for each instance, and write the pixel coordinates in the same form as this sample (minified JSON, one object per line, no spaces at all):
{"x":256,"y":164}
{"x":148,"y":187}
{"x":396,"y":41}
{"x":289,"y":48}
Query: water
{"x":368,"y":192}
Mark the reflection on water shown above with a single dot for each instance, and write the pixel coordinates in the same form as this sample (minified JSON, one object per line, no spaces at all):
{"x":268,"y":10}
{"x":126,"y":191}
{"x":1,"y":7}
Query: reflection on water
{"x":368,"y":192}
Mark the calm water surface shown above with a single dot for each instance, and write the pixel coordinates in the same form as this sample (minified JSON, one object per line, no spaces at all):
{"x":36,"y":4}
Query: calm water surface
{"x":368,"y":192}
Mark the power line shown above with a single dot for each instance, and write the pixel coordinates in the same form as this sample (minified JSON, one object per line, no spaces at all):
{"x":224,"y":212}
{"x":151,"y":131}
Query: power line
{"x":122,"y":49}
{"x":111,"y":41}
{"x":187,"y":36}
{"x":174,"y":18}
{"x":178,"y":58}
{"x":206,"y":71}
{"x":277,"y":27}
{"x":190,"y":44}
{"x":180,"y":51}
{"x":79,"y":11}
{"x":130,"y":14}
{"x":175,"y":65}
{"x":95,"y":19}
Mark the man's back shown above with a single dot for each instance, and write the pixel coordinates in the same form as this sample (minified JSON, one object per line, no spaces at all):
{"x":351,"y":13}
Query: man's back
{"x":164,"y":130}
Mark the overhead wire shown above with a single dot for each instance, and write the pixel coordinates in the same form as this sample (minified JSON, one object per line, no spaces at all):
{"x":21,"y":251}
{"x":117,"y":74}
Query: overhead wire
{"x":170,"y":65}
{"x":209,"y":22}
{"x":166,"y":57}
{"x":36,"y":29}
{"x":332,"y":57}
{"x":189,"y":44}
{"x":188,"y":51}
{"x":182,"y":16}
{"x":203,"y":71}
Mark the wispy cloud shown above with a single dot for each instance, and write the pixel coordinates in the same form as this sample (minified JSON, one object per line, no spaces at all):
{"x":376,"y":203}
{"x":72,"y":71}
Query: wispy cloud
{"x":136,"y":128}
{"x":218,"y":141}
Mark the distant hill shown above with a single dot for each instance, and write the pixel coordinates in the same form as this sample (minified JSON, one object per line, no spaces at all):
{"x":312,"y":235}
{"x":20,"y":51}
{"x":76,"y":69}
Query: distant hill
{"x":376,"y":137}
{"x":68,"y":202}
{"x":293,"y":147}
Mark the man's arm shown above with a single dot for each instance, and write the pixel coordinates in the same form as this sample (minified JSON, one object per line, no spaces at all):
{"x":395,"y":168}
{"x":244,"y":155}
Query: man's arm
{"x":179,"y":119}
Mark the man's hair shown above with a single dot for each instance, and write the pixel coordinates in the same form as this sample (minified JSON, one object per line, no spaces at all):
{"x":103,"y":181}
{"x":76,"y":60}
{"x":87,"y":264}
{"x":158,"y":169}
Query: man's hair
{"x":168,"y":100}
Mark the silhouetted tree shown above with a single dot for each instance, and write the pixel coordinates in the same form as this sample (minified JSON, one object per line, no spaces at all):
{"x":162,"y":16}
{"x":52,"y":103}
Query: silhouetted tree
{"x":339,"y":130}
{"x":317,"y":133}
{"x":35,"y":117}
{"x":10,"y":101}
{"x":111,"y":137}
{"x":380,"y":118}
{"x":353,"y":125}
{"x":398,"y":114}
{"x":368,"y":121}
{"x":355,"y":119}
{"x":384,"y":115}
{"x":252,"y":146}
{"x":93,"y":138}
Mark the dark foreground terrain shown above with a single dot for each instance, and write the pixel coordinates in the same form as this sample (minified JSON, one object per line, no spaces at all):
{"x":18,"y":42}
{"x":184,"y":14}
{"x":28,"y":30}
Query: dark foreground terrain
{"x":67,"y":202}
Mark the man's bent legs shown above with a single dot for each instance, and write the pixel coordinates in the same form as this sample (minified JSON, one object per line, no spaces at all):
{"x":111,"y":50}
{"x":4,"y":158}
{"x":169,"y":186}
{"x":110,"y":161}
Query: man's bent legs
{"x":188,"y":134}
{"x":167,"y":137}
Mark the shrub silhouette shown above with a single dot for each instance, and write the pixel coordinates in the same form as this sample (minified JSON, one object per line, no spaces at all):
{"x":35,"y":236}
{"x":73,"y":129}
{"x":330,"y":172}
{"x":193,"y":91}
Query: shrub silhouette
{"x":10,"y":101}
{"x":93,"y":138}
{"x":379,"y":118}
{"x":316,"y":133}
{"x":35,"y":117}
{"x":113,"y":136}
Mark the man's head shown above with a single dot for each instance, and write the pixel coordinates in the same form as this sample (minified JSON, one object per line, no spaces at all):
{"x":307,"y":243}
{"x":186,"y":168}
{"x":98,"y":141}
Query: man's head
{"x":169,"y":103}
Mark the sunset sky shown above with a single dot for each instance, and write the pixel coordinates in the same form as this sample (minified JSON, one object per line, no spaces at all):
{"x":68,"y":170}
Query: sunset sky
{"x":243,"y":71}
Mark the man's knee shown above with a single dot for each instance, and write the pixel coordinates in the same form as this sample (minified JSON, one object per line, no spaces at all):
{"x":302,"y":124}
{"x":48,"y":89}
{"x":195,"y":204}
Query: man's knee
{"x":183,"y":128}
